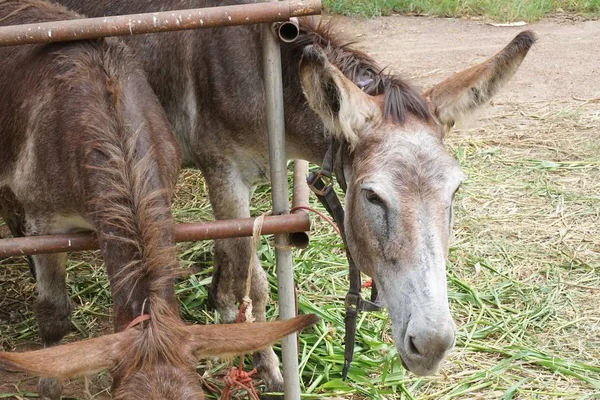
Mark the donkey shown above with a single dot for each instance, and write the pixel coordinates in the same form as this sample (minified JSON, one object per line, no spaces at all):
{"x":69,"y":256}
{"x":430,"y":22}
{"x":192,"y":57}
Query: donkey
{"x":85,"y":145}
{"x":400,"y":179}
{"x":156,"y":362}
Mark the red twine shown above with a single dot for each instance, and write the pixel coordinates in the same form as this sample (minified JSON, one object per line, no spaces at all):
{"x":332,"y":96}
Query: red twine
{"x":237,"y":377}
{"x":137,"y":320}
{"x":320,"y":214}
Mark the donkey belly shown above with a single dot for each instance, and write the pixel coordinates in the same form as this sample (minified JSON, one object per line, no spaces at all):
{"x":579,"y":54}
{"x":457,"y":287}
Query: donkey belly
{"x":57,"y":224}
{"x":46,"y":220}
{"x":61,"y":223}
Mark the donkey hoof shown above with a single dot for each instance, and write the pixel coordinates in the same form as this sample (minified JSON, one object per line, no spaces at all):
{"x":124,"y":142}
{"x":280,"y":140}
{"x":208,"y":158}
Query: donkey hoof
{"x":275,"y":386}
{"x":49,"y":389}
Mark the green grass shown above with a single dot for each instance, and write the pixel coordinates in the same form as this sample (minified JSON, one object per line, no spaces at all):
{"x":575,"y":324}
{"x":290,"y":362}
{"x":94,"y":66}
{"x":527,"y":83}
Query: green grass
{"x":498,"y":10}
{"x":523,"y":275}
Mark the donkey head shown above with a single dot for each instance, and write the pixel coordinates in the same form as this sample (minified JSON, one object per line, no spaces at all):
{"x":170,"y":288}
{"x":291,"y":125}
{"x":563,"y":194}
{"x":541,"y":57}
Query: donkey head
{"x":401,"y":185}
{"x":157,"y":362}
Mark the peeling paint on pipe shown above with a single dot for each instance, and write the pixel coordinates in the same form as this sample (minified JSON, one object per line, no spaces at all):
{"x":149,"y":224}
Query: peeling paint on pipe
{"x":135,"y":24}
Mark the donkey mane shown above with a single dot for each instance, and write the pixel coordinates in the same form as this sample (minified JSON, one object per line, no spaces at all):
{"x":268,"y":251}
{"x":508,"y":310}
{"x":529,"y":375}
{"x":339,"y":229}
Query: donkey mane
{"x":135,"y":216}
{"x":44,"y":12}
{"x":400,"y":98}
{"x":142,"y":222}
{"x":132,"y":212}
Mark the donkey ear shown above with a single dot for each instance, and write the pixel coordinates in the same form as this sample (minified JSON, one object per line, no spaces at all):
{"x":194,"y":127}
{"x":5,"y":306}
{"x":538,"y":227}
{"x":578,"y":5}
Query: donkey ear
{"x":227,"y":340}
{"x":71,"y":360}
{"x":343,"y":107}
{"x":459,"y":95}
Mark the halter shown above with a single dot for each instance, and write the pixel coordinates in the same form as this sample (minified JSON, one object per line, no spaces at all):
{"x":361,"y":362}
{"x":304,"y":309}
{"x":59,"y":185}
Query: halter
{"x":321,"y":184}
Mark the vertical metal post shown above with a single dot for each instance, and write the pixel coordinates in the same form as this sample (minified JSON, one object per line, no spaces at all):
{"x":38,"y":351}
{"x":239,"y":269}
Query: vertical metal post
{"x":300,"y":199}
{"x":279,"y":185}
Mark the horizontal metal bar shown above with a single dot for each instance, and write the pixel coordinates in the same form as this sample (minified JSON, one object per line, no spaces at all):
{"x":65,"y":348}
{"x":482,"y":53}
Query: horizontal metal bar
{"x":183,"y":233}
{"x":165,"y":21}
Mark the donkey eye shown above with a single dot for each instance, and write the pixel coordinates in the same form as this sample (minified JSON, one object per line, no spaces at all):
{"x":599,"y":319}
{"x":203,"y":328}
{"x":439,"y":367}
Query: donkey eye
{"x":373,"y":197}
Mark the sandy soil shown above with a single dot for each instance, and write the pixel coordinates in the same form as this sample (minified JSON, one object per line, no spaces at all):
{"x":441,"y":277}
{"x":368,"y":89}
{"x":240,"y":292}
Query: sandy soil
{"x":565,"y":63}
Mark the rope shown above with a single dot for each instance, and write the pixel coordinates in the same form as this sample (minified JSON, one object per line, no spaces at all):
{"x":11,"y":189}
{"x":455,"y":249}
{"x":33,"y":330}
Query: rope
{"x":282,"y":246}
{"x":369,"y":282}
{"x":320,"y":214}
{"x":242,"y":379}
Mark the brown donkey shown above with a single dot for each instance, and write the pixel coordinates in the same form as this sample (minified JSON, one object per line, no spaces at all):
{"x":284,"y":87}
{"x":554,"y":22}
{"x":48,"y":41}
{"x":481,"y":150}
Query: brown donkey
{"x":85,"y":145}
{"x":400,"y":179}
{"x":156,"y":362}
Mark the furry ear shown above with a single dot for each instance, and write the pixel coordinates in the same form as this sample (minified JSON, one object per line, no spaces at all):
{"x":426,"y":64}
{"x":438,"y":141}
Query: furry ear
{"x":345,"y":110}
{"x":462,"y":93}
{"x":231,"y":339}
{"x":71,"y":360}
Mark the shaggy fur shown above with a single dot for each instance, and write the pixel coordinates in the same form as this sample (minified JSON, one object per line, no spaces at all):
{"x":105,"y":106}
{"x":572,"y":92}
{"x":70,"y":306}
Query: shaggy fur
{"x":400,"y":98}
{"x":86,"y":145}
{"x":210,"y":83}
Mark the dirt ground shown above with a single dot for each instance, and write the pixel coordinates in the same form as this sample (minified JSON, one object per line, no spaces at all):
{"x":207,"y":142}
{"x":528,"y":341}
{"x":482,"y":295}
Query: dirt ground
{"x":563,"y":65}
{"x":562,"y":72}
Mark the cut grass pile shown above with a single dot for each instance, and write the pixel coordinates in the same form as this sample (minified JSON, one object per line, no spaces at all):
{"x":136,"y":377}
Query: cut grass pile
{"x":498,"y":10}
{"x":523,"y":272}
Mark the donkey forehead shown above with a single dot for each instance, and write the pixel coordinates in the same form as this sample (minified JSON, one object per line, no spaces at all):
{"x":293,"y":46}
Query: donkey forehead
{"x":400,"y":157}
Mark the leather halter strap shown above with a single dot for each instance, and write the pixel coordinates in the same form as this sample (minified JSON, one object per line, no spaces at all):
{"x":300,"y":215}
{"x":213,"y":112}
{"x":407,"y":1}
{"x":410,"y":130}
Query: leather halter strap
{"x":321,"y":184}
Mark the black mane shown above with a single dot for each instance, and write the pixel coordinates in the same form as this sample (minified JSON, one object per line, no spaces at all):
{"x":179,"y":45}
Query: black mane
{"x":400,"y":98}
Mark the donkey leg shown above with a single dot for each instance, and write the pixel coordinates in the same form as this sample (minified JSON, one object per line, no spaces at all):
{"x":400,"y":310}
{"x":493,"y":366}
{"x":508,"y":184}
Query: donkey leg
{"x":53,"y":311}
{"x":16,"y":224}
{"x":230,"y":198}
{"x":265,"y":361}
{"x":13,"y":214}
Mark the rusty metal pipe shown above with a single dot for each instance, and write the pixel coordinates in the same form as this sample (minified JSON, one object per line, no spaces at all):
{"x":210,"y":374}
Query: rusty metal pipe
{"x":183,"y":233}
{"x":135,"y":24}
{"x":288,"y":31}
{"x":300,"y":198}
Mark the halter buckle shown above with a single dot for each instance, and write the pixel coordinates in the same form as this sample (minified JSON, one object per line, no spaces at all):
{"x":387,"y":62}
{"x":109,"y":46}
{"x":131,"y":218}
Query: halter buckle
{"x":319,"y":183}
{"x":353,"y":301}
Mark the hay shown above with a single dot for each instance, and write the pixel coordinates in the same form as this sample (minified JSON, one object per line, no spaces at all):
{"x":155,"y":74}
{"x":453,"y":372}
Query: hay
{"x":523,"y":273}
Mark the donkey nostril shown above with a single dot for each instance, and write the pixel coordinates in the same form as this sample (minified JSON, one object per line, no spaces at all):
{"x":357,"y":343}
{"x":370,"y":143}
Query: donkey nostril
{"x":411,"y":346}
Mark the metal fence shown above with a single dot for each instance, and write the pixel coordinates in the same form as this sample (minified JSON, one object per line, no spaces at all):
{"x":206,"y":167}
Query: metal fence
{"x":281,"y":223}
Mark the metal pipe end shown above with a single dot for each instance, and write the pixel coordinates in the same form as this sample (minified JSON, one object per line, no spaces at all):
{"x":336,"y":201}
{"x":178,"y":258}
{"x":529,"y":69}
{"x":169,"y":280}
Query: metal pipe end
{"x":288,"y":31}
{"x":299,"y":240}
